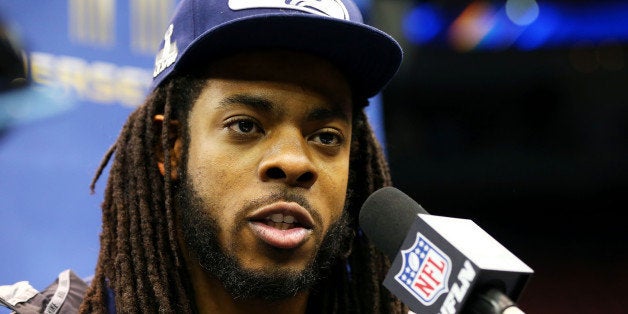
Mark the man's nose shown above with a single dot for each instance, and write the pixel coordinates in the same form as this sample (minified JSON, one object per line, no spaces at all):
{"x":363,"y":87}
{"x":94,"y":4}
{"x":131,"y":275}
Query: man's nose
{"x":288,"y":160}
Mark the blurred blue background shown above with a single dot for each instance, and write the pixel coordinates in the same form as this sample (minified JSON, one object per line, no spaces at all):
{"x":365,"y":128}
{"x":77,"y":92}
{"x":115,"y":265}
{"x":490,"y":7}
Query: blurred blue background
{"x":90,"y":63}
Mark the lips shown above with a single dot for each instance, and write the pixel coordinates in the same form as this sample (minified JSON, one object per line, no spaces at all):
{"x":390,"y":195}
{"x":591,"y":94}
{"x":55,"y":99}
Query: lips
{"x":285,"y":225}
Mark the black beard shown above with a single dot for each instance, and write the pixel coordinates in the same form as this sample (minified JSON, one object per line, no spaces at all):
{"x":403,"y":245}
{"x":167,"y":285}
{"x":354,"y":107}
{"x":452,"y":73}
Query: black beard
{"x":200,"y":231}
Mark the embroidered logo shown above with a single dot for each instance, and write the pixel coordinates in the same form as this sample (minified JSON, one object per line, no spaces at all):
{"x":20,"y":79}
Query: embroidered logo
{"x":330,"y":8}
{"x":424,"y":271}
{"x":168,"y":54}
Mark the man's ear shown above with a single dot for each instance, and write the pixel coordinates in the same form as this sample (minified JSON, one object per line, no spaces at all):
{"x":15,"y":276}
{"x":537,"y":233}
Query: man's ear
{"x":175,"y":146}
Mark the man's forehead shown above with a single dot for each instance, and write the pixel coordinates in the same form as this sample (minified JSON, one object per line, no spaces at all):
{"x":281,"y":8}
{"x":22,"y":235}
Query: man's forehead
{"x":307,"y":71}
{"x":273,"y":61}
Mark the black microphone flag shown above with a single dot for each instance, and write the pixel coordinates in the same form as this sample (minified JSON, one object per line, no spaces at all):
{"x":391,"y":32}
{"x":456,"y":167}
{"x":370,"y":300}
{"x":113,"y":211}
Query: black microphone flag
{"x":442,"y":261}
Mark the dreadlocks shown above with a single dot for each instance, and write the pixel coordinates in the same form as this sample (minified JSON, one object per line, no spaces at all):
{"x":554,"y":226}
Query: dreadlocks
{"x":140,"y":259}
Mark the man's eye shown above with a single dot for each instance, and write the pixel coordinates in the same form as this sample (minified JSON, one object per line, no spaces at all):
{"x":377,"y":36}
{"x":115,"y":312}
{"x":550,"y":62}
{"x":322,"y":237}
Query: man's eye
{"x":328,"y":138}
{"x":244,"y":126}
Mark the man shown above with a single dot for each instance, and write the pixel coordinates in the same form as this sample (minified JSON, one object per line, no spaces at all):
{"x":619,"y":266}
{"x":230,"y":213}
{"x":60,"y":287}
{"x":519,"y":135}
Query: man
{"x":236,"y":186}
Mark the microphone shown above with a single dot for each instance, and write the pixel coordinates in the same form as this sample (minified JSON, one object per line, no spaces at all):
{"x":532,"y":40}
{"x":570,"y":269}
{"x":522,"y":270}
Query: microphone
{"x":441,"y":264}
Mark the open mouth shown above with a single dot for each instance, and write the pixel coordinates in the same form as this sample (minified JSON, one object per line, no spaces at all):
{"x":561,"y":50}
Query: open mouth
{"x":282,"y":225}
{"x":282,"y":222}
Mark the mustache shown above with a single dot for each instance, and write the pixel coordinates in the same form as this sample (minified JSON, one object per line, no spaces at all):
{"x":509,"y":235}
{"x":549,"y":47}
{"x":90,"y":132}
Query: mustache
{"x":284,"y":195}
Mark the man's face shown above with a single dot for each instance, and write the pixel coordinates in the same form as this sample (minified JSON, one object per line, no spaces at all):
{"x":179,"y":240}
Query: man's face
{"x":268,"y":157}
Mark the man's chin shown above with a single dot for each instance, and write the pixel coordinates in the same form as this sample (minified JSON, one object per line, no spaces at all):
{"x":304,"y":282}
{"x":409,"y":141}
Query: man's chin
{"x":275,"y":270}
{"x":260,"y":279}
{"x":268,"y":284}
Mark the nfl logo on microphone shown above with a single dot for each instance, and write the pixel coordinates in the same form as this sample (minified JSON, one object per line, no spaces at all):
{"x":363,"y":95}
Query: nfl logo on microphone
{"x":424,"y":270}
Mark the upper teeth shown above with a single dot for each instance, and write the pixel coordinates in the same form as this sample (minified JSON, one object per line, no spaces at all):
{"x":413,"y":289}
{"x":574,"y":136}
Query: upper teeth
{"x":282,"y":218}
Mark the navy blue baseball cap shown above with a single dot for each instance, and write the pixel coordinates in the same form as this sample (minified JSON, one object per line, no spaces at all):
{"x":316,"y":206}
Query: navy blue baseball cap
{"x":202,"y":30}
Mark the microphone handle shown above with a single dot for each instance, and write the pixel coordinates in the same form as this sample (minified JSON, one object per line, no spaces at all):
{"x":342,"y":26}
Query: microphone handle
{"x":491,"y":301}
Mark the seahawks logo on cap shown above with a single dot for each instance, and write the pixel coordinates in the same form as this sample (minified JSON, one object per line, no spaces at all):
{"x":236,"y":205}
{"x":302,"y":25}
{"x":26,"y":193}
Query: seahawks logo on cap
{"x":166,"y":56}
{"x":331,"y":8}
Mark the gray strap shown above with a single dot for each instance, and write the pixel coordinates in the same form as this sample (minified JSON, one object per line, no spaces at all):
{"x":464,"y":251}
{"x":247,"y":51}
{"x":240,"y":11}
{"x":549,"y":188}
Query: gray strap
{"x":62,"y":291}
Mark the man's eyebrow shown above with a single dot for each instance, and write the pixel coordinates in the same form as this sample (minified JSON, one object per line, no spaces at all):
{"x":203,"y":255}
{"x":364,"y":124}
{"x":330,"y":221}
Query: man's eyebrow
{"x":265,"y":105}
{"x":326,"y":114}
{"x":254,"y":102}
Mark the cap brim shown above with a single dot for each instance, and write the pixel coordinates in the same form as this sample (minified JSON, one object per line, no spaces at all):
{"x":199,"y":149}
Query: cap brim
{"x":368,"y":56}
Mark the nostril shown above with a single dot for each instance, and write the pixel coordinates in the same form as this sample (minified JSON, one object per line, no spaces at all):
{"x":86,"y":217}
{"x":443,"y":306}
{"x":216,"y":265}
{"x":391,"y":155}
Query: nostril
{"x":275,"y":173}
{"x":306,"y":177}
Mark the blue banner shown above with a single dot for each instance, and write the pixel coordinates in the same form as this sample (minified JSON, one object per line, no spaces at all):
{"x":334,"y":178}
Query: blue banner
{"x":90,"y":62}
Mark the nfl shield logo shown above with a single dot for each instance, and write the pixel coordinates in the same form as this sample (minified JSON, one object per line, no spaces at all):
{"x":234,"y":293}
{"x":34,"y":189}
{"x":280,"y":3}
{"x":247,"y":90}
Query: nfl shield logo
{"x":424,"y":270}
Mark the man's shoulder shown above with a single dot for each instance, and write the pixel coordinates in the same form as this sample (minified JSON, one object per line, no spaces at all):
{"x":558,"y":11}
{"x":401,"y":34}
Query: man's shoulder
{"x":64,"y":295}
